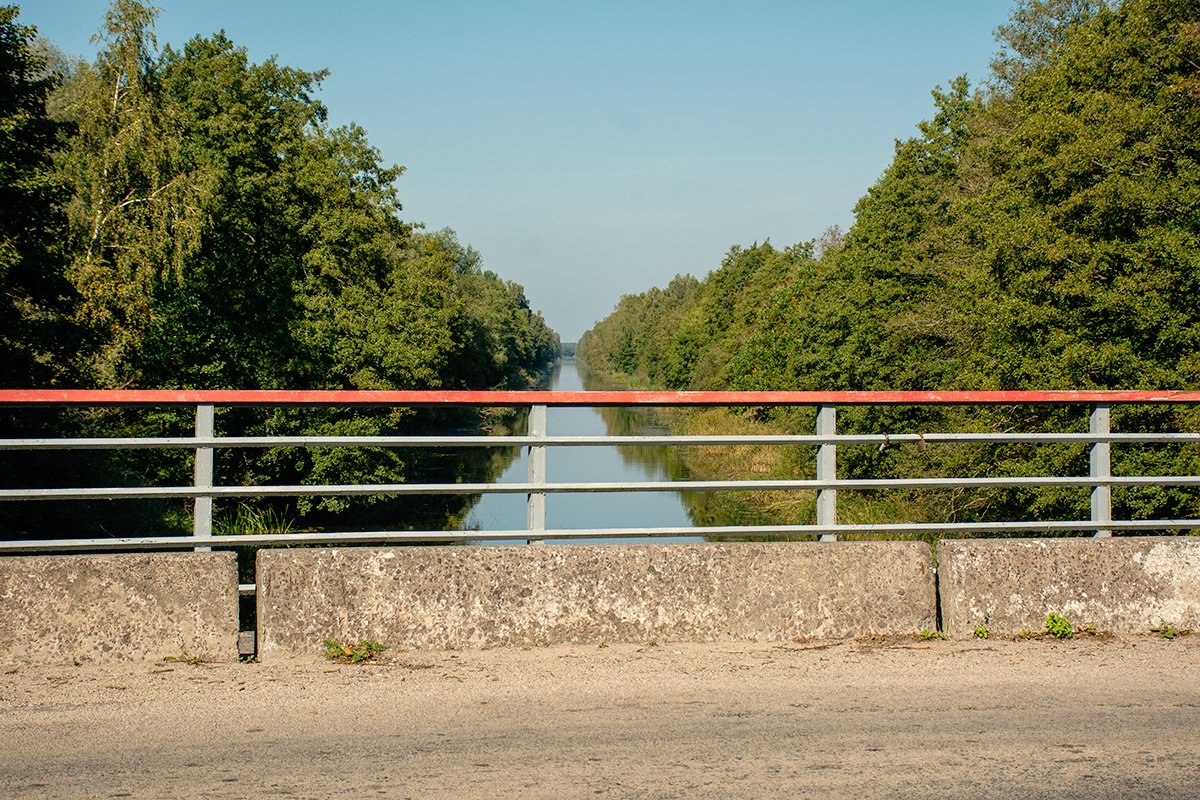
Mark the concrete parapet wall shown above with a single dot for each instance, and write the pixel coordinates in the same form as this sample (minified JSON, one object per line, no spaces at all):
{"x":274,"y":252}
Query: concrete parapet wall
{"x":59,"y":609}
{"x":454,"y":597}
{"x":1120,"y":584}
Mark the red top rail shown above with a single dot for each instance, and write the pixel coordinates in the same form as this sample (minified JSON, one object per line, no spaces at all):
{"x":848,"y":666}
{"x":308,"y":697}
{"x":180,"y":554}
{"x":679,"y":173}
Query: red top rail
{"x":189,"y":397}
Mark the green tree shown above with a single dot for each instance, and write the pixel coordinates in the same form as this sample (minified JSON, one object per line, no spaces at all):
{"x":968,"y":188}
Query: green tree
{"x":1041,"y":235}
{"x":136,"y":209}
{"x":36,"y":333}
{"x":1089,"y":219}
{"x":1035,"y":31}
{"x":223,"y":235}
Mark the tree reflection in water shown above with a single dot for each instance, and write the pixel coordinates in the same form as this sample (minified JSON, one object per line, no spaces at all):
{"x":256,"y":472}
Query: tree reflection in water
{"x":608,"y":464}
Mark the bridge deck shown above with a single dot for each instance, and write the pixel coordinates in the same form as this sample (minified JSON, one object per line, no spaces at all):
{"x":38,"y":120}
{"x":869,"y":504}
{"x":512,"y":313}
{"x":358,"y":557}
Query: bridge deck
{"x":868,"y":719}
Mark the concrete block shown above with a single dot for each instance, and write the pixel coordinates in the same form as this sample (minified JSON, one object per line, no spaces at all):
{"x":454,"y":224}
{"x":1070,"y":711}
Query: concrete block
{"x":1123,"y":584}
{"x":139,"y":606}
{"x":464,"y":597}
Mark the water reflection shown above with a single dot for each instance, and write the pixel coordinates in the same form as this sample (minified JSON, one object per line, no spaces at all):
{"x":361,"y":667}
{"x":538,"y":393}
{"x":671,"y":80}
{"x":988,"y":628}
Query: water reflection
{"x":594,"y":464}
{"x":703,"y":509}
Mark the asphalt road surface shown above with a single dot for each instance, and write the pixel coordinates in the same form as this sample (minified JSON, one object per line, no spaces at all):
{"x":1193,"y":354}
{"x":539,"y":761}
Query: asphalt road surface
{"x":897,"y":718}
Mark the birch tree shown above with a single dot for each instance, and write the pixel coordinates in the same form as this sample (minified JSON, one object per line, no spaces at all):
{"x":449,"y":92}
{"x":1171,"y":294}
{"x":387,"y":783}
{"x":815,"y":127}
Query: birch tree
{"x":136,"y":210}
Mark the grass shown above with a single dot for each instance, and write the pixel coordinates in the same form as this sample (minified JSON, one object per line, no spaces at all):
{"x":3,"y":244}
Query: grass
{"x":1059,"y":627}
{"x":346,"y":653}
{"x":794,"y":507}
{"x":247,"y":519}
{"x":185,"y":657}
{"x":881,"y":508}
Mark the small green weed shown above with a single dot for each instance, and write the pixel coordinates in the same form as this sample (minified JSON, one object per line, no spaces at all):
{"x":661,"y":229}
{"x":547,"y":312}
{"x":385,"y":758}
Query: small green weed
{"x":346,"y":653}
{"x":1168,"y":631}
{"x":1026,"y":634}
{"x":1058,"y":626}
{"x":981,"y":632}
{"x":929,"y":635}
{"x":602,"y":645}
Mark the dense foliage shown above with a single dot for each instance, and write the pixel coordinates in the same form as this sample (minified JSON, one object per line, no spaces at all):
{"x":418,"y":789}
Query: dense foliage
{"x":35,"y":300}
{"x":222,"y":234}
{"x":1043,"y":233}
{"x":189,"y":219}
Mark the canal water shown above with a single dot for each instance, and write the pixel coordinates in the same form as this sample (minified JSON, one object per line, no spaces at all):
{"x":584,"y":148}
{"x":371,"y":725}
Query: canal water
{"x":593,"y":464}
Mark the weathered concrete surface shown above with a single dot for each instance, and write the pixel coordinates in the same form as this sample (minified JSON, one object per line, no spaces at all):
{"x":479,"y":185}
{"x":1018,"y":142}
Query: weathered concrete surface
{"x":59,"y":609}
{"x":450,"y":597}
{"x":1120,"y":584}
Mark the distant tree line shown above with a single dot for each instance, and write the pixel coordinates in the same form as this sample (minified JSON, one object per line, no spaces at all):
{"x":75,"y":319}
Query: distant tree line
{"x":185,"y":218}
{"x":1040,"y":233}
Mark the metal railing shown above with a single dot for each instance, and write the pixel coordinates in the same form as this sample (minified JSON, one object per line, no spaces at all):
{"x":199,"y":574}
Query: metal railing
{"x":203,"y":491}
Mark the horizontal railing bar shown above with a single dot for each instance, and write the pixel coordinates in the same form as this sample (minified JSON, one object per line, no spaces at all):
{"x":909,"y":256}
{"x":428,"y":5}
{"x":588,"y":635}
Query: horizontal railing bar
{"x":227,"y":398}
{"x":352,"y":490}
{"x":1099,"y":437}
{"x":188,"y":442}
{"x":367,"y":537}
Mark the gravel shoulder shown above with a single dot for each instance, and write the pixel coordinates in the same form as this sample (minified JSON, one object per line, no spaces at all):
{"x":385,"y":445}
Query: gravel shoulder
{"x":1086,"y":718}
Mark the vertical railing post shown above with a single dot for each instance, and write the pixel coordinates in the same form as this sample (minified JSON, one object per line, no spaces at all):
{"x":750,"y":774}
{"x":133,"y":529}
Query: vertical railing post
{"x":1100,"y":466}
{"x":536,"y":508}
{"x":202,"y":510}
{"x":827,"y":470}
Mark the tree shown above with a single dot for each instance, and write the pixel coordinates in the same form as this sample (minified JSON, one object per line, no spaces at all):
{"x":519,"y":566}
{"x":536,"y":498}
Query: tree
{"x":1089,"y":219}
{"x":36,"y":301}
{"x":219,"y":233}
{"x":1035,"y":31}
{"x":1043,"y":235}
{"x":136,"y":209}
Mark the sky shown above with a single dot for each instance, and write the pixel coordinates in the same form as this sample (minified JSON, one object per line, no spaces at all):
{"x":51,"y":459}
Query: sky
{"x":591,"y":150}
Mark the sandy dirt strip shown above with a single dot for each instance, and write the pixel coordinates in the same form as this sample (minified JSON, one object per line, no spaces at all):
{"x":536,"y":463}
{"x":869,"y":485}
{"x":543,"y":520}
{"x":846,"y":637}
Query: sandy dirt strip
{"x":900,"y":718}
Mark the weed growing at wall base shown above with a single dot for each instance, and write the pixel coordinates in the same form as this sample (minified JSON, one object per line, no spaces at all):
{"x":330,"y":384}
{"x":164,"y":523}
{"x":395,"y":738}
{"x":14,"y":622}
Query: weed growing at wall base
{"x":1058,"y":626}
{"x":1166,"y":631}
{"x":346,"y":653}
{"x":185,"y":657}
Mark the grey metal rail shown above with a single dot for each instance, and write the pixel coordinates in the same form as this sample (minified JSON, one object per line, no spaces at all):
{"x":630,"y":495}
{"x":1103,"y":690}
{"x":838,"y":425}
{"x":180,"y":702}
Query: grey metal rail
{"x":202,"y":492}
{"x":330,"y":490}
{"x":187,"y":442}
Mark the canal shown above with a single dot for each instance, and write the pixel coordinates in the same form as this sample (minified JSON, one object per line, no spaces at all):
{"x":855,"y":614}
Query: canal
{"x":599,"y":464}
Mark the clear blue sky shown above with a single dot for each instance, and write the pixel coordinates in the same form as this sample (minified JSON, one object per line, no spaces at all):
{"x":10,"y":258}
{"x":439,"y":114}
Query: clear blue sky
{"x":594,"y":149}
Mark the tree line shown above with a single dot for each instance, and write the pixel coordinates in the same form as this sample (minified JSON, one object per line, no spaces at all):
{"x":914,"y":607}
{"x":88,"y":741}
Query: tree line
{"x":186,"y":218}
{"x":1040,"y":232}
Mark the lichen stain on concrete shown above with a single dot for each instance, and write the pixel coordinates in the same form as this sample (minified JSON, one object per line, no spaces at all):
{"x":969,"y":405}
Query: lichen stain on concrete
{"x":489,"y":596}
{"x":1122,"y":584}
{"x":118,"y":607}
